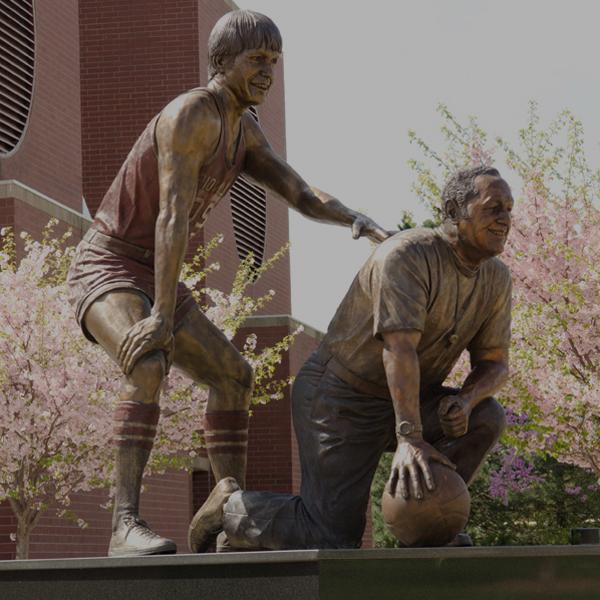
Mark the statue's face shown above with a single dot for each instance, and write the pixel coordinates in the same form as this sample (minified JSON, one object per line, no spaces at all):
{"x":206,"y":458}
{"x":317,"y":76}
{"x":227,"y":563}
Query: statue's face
{"x":483,"y":229}
{"x":250,"y":75}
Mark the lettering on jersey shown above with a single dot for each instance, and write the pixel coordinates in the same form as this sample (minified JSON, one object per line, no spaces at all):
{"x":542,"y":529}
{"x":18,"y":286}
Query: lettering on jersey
{"x":201,"y":210}
{"x":210,"y":185}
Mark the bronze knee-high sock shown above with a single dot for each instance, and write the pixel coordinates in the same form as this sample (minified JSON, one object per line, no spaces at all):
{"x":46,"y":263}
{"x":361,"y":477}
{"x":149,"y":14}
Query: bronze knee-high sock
{"x":226,"y":435}
{"x":135,"y":428}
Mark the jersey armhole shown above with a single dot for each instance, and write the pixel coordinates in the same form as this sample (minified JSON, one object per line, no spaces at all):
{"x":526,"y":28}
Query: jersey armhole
{"x":207,"y":94}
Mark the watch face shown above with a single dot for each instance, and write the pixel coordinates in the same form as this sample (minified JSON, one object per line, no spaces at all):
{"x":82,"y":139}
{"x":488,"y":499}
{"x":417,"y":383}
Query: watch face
{"x":406,"y":428}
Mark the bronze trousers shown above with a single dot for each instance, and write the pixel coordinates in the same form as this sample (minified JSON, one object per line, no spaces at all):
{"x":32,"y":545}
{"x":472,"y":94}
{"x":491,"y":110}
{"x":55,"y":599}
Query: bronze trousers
{"x":342,"y":434}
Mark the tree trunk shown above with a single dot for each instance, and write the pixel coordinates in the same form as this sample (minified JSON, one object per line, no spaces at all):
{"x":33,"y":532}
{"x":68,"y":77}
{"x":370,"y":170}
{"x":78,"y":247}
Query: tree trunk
{"x":23,"y":534}
{"x":26,"y":521}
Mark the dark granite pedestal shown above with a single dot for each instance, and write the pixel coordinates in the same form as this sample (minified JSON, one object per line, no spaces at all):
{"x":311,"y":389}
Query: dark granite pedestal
{"x":507,"y":573}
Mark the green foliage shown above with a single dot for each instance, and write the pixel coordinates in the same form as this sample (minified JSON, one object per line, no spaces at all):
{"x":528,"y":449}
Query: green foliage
{"x":230,"y":311}
{"x":407,"y":221}
{"x":543,"y":514}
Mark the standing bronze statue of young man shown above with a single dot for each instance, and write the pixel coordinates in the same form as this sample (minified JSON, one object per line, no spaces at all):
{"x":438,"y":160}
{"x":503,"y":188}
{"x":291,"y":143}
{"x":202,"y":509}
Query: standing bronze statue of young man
{"x":376,"y":381}
{"x":124,"y":280}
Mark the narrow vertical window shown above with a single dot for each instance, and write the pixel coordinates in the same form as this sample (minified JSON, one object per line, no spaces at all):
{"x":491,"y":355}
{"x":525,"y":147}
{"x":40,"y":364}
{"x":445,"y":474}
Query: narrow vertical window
{"x":17,"y":57}
{"x":249,"y":211}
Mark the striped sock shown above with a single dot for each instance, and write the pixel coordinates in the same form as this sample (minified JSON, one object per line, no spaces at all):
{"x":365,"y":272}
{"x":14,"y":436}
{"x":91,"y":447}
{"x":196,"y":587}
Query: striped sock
{"x":135,"y":424}
{"x":226,"y":431}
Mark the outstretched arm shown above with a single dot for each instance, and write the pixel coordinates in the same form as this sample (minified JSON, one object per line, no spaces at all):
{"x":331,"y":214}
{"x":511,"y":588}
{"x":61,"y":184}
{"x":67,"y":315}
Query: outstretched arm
{"x":489,"y":372}
{"x":186,"y":135}
{"x":268,"y":169}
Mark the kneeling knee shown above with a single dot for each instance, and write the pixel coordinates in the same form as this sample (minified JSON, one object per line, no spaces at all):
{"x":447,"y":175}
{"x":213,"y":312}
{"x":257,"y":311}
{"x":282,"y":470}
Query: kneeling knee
{"x":491,"y":414}
{"x":344,"y":538}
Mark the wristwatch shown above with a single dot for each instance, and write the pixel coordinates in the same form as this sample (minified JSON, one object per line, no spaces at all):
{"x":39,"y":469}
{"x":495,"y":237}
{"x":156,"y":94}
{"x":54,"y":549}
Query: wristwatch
{"x":407,"y":428}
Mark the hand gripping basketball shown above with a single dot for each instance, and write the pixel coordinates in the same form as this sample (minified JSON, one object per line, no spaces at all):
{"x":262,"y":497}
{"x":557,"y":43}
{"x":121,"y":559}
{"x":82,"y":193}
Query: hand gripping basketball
{"x":412,"y":458}
{"x":436,"y":519}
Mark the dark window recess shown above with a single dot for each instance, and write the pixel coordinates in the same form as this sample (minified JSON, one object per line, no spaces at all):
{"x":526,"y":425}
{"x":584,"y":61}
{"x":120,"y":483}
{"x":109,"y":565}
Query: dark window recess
{"x":249,"y":212}
{"x":17,"y":57}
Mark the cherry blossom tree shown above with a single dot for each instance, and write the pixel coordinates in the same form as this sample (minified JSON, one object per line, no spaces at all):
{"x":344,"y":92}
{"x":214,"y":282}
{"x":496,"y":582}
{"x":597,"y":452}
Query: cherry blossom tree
{"x":554,"y":256}
{"x":58,"y":391}
{"x":553,"y":251}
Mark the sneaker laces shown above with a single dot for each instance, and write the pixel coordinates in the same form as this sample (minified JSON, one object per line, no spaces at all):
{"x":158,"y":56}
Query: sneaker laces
{"x":140,"y":526}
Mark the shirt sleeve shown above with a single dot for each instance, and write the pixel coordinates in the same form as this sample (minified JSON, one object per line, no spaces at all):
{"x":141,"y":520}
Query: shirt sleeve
{"x":495,"y":330}
{"x":400,"y":291}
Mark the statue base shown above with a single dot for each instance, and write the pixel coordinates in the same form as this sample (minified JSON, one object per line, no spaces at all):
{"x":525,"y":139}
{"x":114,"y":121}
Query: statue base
{"x":493,"y":573}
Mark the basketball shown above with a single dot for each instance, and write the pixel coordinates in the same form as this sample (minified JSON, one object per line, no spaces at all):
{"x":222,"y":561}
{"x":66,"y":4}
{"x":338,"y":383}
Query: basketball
{"x":436,"y":518}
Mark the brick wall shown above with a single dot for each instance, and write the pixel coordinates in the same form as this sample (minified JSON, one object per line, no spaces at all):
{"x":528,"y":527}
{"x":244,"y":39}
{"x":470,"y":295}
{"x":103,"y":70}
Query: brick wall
{"x":48,"y":157}
{"x":32,"y":220}
{"x":7,"y":212}
{"x":135,"y":57}
{"x":8,"y":525}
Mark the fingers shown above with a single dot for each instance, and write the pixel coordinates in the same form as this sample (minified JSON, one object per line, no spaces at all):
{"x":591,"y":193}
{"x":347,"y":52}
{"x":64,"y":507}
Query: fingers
{"x":393,"y":482}
{"x":427,"y":474}
{"x":453,"y":417}
{"x":454,"y":414}
{"x":455,"y":427}
{"x":364,"y":226}
{"x":125,"y":345}
{"x":443,"y":459}
{"x":136,"y":351}
{"x":415,"y":483}
{"x":403,"y":483}
{"x":378,"y":234}
{"x":446,"y":406}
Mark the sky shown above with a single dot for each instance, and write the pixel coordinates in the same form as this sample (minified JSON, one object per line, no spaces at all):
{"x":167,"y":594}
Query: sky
{"x":359,"y":75}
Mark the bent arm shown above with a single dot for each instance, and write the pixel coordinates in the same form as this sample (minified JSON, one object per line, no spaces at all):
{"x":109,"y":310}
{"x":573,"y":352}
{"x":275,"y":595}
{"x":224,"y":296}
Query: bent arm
{"x":489,"y":372}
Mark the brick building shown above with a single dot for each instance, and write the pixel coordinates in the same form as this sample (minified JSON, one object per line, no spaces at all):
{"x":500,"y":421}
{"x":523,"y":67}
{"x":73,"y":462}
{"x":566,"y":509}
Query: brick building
{"x":80,"y":80}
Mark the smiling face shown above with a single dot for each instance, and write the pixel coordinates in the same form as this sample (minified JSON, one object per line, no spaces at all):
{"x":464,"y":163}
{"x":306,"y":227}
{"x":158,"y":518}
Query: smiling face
{"x":249,"y":75}
{"x":484,"y":225}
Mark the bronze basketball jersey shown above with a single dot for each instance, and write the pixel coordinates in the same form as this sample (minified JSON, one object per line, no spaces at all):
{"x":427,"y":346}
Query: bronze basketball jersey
{"x":130,"y":207}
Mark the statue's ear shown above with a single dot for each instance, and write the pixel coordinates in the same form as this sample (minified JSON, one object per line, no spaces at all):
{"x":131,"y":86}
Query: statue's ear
{"x":223,"y":62}
{"x":451,"y":209}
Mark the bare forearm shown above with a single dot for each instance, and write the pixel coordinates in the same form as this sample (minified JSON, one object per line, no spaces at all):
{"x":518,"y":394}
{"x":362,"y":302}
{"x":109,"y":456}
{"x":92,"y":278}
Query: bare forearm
{"x":171,"y":236}
{"x":320,"y":206}
{"x":484,"y":380}
{"x":403,"y":377}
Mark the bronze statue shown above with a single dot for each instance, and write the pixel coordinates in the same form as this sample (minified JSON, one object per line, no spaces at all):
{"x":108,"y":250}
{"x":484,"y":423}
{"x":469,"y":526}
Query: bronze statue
{"x":376,"y":381}
{"x":124,"y":279}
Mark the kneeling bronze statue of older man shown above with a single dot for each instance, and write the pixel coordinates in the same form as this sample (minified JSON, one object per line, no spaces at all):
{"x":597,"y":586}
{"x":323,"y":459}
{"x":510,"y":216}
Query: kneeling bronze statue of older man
{"x":376,"y":381}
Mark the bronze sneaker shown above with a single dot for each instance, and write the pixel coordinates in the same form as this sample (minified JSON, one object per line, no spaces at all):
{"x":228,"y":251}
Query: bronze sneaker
{"x":208,"y":521}
{"x":224,"y":545}
{"x":133,"y":537}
